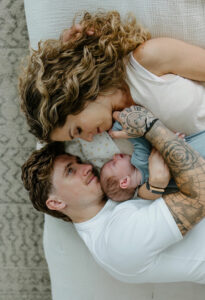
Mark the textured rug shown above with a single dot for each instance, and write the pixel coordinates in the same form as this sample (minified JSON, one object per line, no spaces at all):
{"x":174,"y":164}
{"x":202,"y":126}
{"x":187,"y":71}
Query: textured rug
{"x":23,"y":273}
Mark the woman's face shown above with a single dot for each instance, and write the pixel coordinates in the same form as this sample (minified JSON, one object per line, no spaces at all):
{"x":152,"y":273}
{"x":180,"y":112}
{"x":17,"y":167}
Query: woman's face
{"x":94,"y":119}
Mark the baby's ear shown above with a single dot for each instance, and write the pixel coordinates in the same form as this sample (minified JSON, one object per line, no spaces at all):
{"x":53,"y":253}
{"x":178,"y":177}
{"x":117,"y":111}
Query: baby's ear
{"x":125,"y":182}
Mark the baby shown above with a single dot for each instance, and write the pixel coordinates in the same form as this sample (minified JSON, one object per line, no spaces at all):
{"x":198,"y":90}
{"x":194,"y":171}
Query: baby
{"x":124,"y":174}
{"x":119,"y":178}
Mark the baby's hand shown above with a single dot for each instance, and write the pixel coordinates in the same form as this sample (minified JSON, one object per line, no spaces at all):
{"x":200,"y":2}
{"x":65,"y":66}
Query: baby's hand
{"x":180,"y":135}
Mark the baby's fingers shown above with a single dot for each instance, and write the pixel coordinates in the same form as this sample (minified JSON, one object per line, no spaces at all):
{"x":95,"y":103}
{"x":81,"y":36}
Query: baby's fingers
{"x":118,"y":134}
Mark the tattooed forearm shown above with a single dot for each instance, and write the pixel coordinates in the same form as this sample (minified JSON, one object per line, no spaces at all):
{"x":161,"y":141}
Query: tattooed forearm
{"x":186,"y":212}
{"x":183,"y":161}
{"x":180,"y":225}
{"x":187,"y":166}
{"x":188,"y":169}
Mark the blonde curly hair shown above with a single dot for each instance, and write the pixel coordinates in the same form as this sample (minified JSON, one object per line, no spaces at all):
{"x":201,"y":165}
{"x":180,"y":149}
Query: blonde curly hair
{"x":60,"y":77}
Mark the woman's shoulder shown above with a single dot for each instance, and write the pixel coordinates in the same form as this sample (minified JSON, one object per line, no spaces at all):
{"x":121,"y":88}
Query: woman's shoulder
{"x":153,"y":54}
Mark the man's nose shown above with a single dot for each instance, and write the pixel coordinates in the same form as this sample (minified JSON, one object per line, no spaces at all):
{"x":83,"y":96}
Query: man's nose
{"x":85,"y":169}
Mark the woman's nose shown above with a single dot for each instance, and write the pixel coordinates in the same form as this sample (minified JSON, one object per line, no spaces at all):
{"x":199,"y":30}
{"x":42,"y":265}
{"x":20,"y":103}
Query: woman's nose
{"x":88,"y":137}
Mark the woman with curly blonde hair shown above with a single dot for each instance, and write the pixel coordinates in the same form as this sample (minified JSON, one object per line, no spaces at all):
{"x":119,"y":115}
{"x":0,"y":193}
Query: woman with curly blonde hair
{"x":70,"y":87}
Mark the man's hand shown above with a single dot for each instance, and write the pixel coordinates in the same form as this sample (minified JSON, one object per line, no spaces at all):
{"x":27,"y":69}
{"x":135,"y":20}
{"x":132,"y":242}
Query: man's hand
{"x":74,"y":33}
{"x":136,"y":121}
{"x":159,"y":174}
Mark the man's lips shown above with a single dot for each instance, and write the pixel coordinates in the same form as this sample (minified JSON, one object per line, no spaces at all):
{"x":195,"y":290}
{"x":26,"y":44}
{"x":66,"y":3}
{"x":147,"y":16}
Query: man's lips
{"x":90,"y":178}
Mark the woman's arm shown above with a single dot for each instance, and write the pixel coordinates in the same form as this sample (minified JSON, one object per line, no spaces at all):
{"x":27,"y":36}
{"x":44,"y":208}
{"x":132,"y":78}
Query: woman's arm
{"x":166,"y":55}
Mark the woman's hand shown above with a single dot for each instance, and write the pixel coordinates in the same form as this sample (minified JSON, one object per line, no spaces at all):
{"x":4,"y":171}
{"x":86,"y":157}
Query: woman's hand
{"x":159,"y":174}
{"x":136,"y":121}
{"x":74,"y":32}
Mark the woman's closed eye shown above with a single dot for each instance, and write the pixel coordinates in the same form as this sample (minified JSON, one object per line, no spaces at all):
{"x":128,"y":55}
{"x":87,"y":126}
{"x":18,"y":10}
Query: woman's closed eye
{"x":78,"y":131}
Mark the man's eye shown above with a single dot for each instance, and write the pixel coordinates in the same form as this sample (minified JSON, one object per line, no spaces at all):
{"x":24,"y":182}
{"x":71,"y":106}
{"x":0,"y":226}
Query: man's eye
{"x":78,"y":160}
{"x":70,"y":170}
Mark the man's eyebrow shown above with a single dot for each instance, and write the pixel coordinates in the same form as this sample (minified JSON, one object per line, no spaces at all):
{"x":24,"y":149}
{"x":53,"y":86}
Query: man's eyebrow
{"x":66,"y":168}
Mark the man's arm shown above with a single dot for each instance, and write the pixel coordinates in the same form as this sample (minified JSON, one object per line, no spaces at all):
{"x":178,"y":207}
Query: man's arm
{"x":188,"y":170}
{"x":187,"y":166}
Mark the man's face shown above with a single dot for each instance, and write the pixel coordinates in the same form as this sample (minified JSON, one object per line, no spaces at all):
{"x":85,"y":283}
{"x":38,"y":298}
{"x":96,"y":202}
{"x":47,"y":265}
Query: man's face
{"x":75,"y":183}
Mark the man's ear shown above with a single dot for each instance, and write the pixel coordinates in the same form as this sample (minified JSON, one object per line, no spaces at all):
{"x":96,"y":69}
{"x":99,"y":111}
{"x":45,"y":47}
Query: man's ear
{"x":54,"y":203}
{"x":125,"y":182}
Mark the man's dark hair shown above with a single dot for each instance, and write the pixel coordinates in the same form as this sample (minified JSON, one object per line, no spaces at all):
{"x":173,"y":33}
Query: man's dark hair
{"x":37,"y":174}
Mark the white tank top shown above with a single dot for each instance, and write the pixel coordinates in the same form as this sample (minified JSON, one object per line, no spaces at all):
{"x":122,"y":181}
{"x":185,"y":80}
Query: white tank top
{"x":178,"y":102}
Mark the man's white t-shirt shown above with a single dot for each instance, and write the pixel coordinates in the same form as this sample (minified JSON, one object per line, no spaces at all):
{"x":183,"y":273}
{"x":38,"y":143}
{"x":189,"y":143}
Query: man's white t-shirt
{"x":138,"y":241}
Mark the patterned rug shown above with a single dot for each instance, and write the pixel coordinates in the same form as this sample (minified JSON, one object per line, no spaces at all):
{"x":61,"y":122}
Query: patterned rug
{"x":23,"y":273}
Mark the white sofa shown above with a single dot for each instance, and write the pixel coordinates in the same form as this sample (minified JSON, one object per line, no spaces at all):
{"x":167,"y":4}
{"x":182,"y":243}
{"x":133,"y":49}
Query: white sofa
{"x":74,"y":274}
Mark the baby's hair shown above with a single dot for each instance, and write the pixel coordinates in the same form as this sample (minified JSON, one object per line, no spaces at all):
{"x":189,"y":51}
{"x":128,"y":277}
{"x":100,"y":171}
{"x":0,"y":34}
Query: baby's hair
{"x":111,"y":187}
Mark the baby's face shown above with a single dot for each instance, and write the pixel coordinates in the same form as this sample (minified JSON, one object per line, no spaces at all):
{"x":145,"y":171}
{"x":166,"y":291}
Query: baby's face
{"x":120,"y":166}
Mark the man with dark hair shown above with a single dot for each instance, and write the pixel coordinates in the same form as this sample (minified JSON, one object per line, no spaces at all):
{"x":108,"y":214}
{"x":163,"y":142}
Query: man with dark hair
{"x":48,"y":175}
{"x":137,"y":240}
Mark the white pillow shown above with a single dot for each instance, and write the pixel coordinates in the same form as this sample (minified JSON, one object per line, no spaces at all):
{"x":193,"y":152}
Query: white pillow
{"x":180,"y":19}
